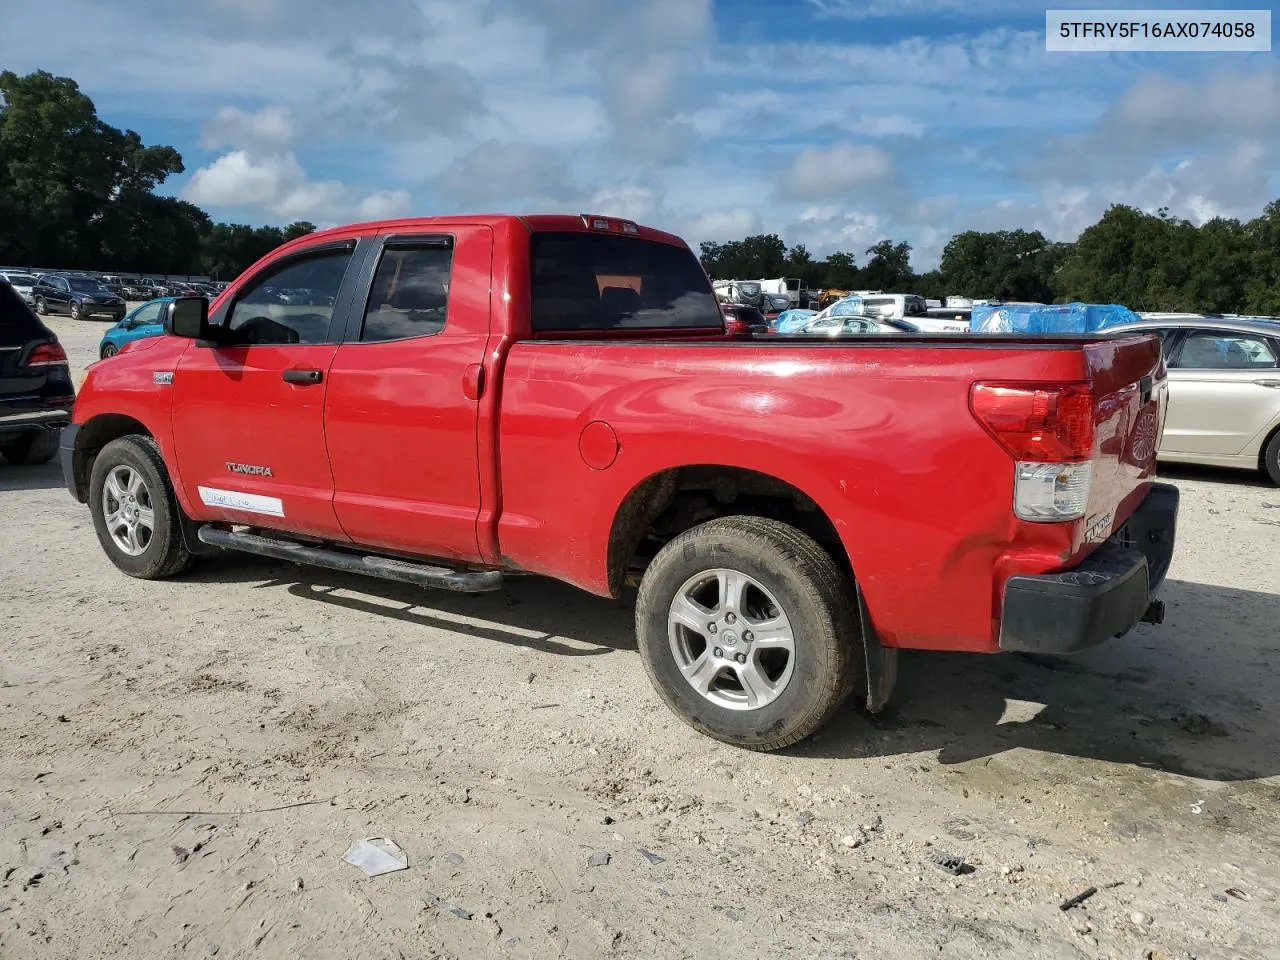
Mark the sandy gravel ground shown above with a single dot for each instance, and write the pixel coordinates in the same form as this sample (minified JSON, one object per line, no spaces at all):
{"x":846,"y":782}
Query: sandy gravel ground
{"x":158,"y":739}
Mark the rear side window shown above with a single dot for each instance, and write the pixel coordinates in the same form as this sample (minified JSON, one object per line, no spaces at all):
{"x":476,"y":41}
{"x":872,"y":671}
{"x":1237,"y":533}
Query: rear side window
{"x":1214,"y":350}
{"x":410,"y":296}
{"x":591,"y":281}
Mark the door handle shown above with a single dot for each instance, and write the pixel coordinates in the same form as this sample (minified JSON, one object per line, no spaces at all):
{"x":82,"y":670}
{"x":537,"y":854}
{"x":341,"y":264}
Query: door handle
{"x":303,"y":376}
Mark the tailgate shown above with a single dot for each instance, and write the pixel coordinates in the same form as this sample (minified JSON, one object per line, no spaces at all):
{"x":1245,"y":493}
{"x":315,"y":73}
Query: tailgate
{"x":1130,"y":390}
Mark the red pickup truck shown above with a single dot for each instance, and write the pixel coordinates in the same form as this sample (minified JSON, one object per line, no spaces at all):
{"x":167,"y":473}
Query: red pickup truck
{"x":448,"y":401}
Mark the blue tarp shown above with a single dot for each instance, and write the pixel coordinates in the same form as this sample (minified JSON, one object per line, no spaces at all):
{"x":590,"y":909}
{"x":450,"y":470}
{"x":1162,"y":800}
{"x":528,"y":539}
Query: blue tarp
{"x":850,"y":306}
{"x":1054,"y":318}
{"x":789,"y":321}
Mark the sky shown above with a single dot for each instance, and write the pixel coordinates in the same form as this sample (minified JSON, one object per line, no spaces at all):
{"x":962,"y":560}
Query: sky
{"x":833,"y":123}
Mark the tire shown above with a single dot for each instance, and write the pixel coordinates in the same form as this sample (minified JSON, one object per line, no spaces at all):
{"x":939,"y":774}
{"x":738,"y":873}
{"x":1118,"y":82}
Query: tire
{"x":782,"y":568}
{"x":109,"y":351}
{"x":31,"y":449}
{"x":1271,"y":458}
{"x":160,"y":554}
{"x":42,"y":308}
{"x":75,"y":311}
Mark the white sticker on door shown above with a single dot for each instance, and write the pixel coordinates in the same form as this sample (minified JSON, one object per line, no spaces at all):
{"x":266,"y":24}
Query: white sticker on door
{"x":248,"y":502}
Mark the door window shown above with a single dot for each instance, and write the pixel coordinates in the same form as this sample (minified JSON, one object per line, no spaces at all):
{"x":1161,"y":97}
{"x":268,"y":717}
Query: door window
{"x":290,"y":302}
{"x":1224,"y":350}
{"x":410,"y":295}
{"x":147,"y":314}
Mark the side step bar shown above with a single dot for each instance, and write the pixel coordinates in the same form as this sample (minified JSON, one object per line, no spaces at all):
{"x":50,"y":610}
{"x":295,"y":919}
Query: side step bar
{"x":422,"y":575}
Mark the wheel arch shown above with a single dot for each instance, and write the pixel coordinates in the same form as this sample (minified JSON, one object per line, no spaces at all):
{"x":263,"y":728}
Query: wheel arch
{"x":93,"y":435}
{"x":670,"y":501}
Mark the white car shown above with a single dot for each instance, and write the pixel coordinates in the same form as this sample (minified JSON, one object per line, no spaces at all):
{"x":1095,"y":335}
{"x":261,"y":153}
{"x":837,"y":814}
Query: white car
{"x":1224,"y":389}
{"x":21,"y":283}
{"x":856,"y":326}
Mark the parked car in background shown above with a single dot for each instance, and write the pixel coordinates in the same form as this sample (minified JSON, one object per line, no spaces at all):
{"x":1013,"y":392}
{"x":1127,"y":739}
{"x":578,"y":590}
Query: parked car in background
{"x":80,"y":297}
{"x":144,"y":321}
{"x":139,"y":289}
{"x":855,"y":326}
{"x":36,"y":392}
{"x":1224,"y":390}
{"x":22,"y":284}
{"x":739,"y":318}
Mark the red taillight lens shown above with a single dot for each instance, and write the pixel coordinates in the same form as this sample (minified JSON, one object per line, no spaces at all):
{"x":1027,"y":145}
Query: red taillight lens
{"x":47,"y":355}
{"x":735,"y":327}
{"x":1037,"y":423}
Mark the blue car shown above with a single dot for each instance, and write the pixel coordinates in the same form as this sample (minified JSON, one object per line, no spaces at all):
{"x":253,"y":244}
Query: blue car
{"x":144,"y":321}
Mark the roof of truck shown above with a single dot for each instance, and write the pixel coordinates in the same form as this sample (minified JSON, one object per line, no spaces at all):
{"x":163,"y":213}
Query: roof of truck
{"x":535,"y":223}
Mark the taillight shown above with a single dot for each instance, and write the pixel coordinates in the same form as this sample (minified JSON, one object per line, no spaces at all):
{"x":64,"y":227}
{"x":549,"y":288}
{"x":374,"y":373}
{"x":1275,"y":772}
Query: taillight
{"x":735,"y":327}
{"x":1048,"y":430}
{"x":47,"y":355}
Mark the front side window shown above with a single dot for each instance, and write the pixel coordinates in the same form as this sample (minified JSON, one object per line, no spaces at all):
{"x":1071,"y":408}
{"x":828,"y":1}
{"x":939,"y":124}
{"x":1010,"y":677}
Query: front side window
{"x":147,"y":313}
{"x":1224,"y":350}
{"x":595,"y":281}
{"x":410,"y":295}
{"x":289,"y":303}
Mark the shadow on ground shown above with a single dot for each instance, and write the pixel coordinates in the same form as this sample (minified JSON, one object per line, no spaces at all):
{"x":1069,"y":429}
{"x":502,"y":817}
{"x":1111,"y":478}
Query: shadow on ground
{"x":531,"y":612}
{"x":1198,"y":696}
{"x":46,"y":476}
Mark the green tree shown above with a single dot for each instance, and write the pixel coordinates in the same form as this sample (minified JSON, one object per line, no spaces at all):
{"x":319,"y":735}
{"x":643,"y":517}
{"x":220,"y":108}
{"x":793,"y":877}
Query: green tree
{"x":1004,"y":265}
{"x":889,"y":268}
{"x":840,"y":271}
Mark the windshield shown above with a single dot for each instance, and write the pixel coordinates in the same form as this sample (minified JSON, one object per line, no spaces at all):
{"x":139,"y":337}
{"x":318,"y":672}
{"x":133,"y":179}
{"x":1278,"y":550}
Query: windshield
{"x":86,"y":285}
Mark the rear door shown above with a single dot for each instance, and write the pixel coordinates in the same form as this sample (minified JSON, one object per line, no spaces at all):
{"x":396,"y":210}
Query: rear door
{"x":248,"y":415}
{"x":401,"y":414}
{"x":1222,"y":387}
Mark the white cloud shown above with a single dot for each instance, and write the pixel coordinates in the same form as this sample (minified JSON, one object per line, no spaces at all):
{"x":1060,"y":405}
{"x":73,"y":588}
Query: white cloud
{"x":385,"y":205}
{"x":496,"y":172}
{"x":822,"y":172}
{"x":271,"y":127}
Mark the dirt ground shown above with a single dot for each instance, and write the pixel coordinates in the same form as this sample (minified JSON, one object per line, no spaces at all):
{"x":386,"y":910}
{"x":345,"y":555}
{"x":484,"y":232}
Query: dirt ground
{"x":185,"y":763}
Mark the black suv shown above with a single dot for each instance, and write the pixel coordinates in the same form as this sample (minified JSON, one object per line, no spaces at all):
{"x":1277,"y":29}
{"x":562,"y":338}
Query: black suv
{"x":81,"y":297}
{"x":36,"y":392}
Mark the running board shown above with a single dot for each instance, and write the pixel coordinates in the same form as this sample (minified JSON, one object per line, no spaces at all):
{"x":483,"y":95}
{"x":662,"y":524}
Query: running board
{"x":419,"y":574}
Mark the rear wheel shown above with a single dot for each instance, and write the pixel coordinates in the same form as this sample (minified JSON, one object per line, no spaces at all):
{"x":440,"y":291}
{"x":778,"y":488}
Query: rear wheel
{"x":747,"y":630}
{"x":135,"y":513}
{"x":1271,"y":458}
{"x":32,"y":448}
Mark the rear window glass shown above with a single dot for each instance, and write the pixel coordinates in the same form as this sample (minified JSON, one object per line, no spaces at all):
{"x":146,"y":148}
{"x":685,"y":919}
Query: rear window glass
{"x":589,"y":281}
{"x":14,"y":314}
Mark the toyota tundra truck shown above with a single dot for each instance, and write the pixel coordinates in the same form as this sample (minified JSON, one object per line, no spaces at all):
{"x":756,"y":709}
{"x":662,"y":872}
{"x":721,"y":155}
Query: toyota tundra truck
{"x":448,"y":402}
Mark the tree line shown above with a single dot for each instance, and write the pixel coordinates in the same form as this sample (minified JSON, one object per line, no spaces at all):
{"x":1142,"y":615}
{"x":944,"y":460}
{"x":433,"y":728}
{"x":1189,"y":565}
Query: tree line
{"x":78,"y":193}
{"x":1145,"y":261}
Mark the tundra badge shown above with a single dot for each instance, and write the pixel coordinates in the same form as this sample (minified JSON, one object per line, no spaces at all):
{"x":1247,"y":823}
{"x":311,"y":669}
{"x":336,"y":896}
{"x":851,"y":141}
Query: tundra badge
{"x":249,"y":468}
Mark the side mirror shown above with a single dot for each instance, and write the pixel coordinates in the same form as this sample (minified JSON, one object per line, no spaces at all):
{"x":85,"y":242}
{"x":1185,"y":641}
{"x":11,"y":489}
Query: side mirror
{"x":188,"y":317}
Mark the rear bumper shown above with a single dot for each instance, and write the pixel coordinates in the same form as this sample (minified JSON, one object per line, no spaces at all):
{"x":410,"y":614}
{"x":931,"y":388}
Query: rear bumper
{"x":29,"y":421}
{"x":1106,"y":596}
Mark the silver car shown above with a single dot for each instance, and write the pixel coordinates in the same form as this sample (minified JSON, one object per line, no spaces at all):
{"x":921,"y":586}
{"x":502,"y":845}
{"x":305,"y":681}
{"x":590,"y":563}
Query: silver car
{"x":1224,"y":389}
{"x":21,"y":283}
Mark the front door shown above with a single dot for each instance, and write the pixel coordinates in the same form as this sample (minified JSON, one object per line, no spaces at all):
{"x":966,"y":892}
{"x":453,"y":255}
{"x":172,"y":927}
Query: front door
{"x":248,"y":414}
{"x":1219,"y":397}
{"x":403,"y":403}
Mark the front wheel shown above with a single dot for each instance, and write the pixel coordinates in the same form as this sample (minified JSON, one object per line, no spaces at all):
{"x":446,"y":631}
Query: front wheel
{"x":75,"y":310}
{"x":1271,"y":459}
{"x":109,"y":350}
{"x":42,"y":308}
{"x":746,"y":628}
{"x":135,"y":513}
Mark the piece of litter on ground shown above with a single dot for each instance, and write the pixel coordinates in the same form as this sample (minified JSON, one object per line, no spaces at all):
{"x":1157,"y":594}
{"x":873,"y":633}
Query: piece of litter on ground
{"x":455,"y":911}
{"x":954,"y":865}
{"x":1238,"y":893}
{"x":652,"y":857}
{"x":376,"y":856}
{"x":598,"y":859}
{"x":1078,"y":899}
{"x":1197,"y":807}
